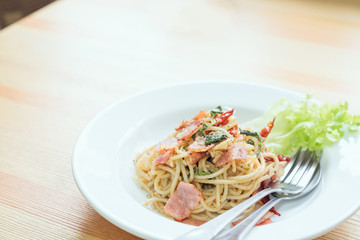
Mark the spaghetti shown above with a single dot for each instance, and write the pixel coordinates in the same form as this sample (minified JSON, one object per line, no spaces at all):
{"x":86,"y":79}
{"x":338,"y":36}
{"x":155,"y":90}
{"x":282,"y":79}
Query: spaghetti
{"x":225,"y":164}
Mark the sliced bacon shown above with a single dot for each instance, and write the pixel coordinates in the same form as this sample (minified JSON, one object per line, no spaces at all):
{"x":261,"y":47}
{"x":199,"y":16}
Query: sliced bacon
{"x":266,"y":130}
{"x":281,"y":158}
{"x":265,"y":183}
{"x":234,"y":131}
{"x":274,"y":211}
{"x":264,"y":218}
{"x":234,"y":152}
{"x":185,"y":198}
{"x":195,"y":156}
{"x":199,"y":145}
{"x":264,"y":200}
{"x":201,"y":115}
{"x":167,"y":144}
{"x":182,"y":125}
{"x":163,"y":158}
{"x":189,"y":130}
{"x":268,"y":159}
{"x":262,"y":221}
{"x":237,"y":222}
{"x":193,"y":221}
{"x":279,"y":172}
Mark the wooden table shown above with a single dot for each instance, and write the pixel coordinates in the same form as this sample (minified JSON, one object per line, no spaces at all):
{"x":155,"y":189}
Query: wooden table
{"x":66,"y":62}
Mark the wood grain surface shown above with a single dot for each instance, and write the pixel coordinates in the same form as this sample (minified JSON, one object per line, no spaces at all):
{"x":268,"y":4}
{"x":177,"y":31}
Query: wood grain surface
{"x":61,"y":65}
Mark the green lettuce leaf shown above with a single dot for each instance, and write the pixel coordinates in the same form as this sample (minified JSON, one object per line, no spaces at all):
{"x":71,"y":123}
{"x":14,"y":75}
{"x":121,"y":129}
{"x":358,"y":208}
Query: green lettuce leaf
{"x":306,"y":125}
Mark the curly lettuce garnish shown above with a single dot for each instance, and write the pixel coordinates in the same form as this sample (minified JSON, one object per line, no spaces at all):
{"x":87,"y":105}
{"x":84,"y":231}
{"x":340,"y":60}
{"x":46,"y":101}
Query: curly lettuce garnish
{"x":306,"y":125}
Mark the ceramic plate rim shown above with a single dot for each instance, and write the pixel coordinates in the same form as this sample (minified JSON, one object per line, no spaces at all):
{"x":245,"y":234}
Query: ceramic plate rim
{"x":100,"y":208}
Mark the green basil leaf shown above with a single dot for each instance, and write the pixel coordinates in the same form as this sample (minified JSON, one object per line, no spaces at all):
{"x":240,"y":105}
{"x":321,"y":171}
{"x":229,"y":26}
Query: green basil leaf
{"x":251,"y":142}
{"x":250,"y":133}
{"x":215,"y":137}
{"x":217,"y":110}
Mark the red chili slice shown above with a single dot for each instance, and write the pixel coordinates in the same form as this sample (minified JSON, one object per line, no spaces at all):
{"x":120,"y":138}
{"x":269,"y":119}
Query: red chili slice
{"x":266,"y":130}
{"x":222,"y":119}
{"x":281,"y":158}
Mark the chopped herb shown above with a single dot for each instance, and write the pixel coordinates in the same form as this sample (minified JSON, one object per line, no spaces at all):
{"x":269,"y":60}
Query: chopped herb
{"x":196,"y":171}
{"x":193,"y":136}
{"x":202,"y":129}
{"x":215,"y":111}
{"x":204,"y":126}
{"x":183,"y":146}
{"x":251,"y":142}
{"x":250,"y":133}
{"x":207,"y":185}
{"x":215,"y":137}
{"x":261,"y":144}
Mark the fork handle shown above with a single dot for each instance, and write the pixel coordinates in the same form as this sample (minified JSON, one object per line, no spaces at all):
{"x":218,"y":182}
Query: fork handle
{"x":240,"y":231}
{"x":211,"y":228}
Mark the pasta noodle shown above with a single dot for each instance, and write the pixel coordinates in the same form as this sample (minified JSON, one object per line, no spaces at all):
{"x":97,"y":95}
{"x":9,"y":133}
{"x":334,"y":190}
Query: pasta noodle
{"x":222,"y":186}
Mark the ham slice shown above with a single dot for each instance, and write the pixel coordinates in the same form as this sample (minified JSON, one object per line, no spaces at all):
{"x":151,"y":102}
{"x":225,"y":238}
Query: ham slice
{"x":234,"y":152}
{"x":189,"y":129}
{"x":201,"y":115}
{"x":265,"y":183}
{"x":197,"y":149}
{"x":199,"y":145}
{"x":279,"y":172}
{"x":280,"y":157}
{"x":194,"y":222}
{"x":185,"y":198}
{"x":263,"y":221}
{"x":195,"y":156}
{"x":167,"y":144}
{"x":182,"y":125}
{"x":163,"y":158}
{"x":234,"y":131}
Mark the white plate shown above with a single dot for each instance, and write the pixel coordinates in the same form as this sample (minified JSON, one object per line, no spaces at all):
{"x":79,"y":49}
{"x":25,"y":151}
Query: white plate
{"x":104,"y":153}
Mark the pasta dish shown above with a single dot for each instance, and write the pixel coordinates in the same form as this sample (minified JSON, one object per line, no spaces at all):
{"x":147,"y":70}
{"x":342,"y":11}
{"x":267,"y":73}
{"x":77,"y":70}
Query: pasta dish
{"x":207,"y":166}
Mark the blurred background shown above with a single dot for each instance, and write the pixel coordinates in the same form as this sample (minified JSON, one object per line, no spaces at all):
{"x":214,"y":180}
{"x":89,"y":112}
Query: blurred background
{"x":13,"y":10}
{"x":70,"y":59}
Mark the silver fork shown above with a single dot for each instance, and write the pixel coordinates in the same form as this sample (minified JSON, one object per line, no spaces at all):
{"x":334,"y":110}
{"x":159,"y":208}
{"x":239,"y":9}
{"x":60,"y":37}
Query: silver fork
{"x":298,"y":174}
{"x":240,"y":231}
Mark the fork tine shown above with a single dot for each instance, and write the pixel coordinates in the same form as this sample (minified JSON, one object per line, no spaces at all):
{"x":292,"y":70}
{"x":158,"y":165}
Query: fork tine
{"x":297,"y":165}
{"x":301,"y":168}
{"x":290,"y":166}
{"x":305,"y":179}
